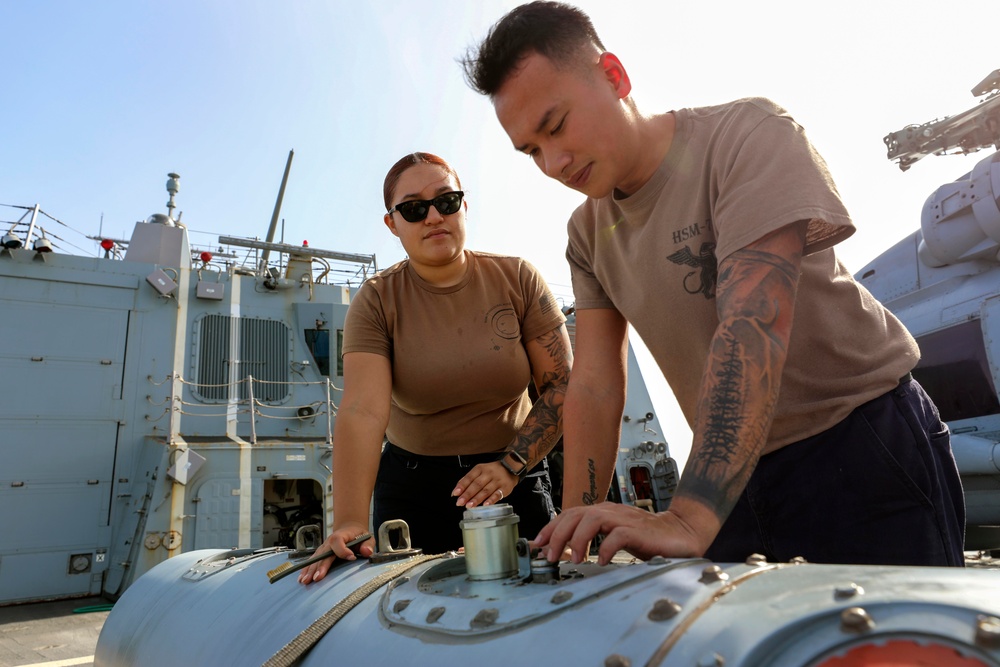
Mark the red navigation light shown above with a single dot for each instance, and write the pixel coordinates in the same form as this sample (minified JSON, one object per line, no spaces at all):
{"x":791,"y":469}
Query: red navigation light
{"x":305,"y":244}
{"x":206,"y":256}
{"x":107,"y":244}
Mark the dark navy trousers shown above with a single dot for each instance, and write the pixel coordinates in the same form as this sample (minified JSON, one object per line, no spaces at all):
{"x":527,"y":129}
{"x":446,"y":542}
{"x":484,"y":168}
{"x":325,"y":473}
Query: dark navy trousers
{"x":880,"y":487}
{"x":418,"y":489}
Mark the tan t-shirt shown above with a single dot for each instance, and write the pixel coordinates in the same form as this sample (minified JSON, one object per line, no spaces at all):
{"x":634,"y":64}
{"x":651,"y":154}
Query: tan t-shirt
{"x":460,"y":370}
{"x":734,"y":173}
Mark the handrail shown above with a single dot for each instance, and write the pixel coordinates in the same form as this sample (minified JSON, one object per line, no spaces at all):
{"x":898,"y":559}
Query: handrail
{"x":175,"y":404}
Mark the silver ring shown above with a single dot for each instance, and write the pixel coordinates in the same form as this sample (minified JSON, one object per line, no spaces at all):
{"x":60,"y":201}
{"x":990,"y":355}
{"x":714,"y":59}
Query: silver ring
{"x":501,"y":493}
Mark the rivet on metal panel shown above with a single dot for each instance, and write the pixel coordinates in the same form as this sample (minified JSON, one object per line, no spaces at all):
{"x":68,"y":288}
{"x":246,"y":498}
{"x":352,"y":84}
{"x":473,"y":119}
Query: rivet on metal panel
{"x":856,"y":619}
{"x":485,"y":618}
{"x":657,"y":560}
{"x":988,"y":631}
{"x":713,"y":574}
{"x":754,"y":560}
{"x":663,"y":610}
{"x":711,"y":660}
{"x":798,"y":560}
{"x":400,"y":605}
{"x":434,"y":614}
{"x":848,"y":591}
{"x":617,"y":660}
{"x":560,"y":597}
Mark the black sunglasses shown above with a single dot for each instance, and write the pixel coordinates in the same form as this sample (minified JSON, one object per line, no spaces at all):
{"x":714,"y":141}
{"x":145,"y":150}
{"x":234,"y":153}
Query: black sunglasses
{"x":416,"y":210}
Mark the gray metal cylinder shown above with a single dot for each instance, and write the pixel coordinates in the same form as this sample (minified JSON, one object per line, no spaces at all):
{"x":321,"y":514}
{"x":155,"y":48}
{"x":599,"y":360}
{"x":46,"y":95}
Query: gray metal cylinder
{"x":490,"y":537}
{"x":219,"y":608}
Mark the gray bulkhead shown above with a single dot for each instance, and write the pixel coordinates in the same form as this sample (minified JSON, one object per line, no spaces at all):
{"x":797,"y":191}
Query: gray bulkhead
{"x":106,"y":365}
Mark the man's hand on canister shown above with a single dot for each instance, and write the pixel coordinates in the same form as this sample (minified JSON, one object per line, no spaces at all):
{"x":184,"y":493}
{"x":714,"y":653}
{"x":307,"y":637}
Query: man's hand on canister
{"x":627,"y":528}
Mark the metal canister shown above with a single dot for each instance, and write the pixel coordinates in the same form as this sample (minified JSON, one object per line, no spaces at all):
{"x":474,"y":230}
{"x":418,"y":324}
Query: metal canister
{"x":490,"y":537}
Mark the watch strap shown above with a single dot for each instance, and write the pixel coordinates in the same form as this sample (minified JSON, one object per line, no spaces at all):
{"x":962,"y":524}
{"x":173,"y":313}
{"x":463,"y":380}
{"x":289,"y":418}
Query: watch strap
{"x":518,"y":459}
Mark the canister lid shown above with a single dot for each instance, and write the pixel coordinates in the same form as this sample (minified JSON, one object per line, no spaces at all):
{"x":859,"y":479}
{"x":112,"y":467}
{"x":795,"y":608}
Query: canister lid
{"x":497,"y":511}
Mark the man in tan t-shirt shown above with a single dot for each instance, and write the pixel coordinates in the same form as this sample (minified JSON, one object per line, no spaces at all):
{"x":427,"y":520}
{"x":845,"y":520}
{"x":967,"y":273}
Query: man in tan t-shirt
{"x":711,"y":231}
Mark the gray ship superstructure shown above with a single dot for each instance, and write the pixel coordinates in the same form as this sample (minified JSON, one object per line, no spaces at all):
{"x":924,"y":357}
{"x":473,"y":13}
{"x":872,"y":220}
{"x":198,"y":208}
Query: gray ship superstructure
{"x":154,"y":403}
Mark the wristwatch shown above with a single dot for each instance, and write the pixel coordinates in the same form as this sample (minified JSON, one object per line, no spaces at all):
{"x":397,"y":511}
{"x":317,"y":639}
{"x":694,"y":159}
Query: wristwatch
{"x":518,"y":461}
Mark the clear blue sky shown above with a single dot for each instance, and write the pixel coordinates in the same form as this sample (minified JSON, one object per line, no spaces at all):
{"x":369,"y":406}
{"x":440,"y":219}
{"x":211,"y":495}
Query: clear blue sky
{"x":100,"y":100}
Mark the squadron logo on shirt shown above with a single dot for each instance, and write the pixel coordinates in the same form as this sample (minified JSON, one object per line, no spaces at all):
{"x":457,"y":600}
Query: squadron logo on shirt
{"x":703,"y":279}
{"x":504,"y":322}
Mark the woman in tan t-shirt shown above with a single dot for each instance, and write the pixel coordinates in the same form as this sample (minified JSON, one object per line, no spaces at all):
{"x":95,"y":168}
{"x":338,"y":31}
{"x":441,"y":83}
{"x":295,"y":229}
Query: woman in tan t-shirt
{"x":439,"y":350}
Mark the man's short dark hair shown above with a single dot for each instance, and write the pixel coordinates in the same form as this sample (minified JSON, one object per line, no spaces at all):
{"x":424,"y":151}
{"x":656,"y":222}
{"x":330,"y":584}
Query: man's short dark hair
{"x":552,"y":29}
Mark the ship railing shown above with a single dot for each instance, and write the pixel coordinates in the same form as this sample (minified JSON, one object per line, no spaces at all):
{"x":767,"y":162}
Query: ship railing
{"x":243,"y":400}
{"x":327,"y":266}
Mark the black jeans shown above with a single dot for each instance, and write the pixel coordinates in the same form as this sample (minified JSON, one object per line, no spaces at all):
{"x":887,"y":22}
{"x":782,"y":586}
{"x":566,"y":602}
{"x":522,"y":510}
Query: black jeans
{"x":418,"y":489}
{"x":880,"y":487}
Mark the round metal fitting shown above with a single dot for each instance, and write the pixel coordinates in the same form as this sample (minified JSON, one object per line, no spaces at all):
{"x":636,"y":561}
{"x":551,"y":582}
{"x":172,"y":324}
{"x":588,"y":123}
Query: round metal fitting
{"x":560,"y":597}
{"x":617,"y":660}
{"x":172,"y":540}
{"x":543,"y":572}
{"x":848,"y":591}
{"x":856,"y":619}
{"x":713,"y":574}
{"x":711,"y":660}
{"x":988,"y":631}
{"x":490,"y":537}
{"x":798,"y":560}
{"x":485,"y":618}
{"x":663,"y":610}
{"x":755,"y":560}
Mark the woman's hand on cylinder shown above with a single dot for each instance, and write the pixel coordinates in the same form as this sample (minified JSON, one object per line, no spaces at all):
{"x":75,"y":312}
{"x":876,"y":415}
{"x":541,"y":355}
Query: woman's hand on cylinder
{"x":486,"y":484}
{"x":337,"y":543}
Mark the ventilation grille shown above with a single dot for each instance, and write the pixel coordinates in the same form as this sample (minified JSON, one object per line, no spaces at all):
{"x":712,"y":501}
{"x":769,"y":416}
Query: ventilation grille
{"x":263,"y":353}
